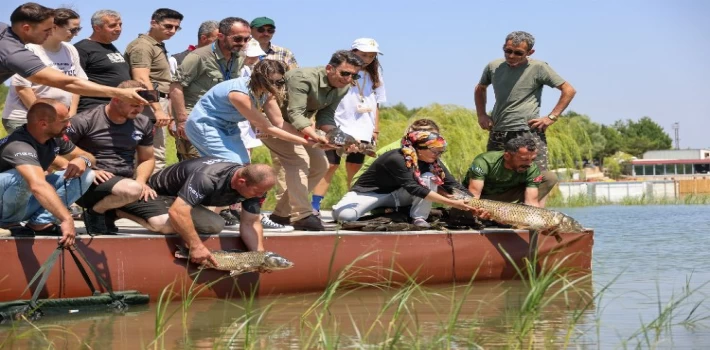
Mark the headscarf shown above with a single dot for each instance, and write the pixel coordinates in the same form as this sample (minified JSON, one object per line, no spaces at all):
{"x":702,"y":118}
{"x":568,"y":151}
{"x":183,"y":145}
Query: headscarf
{"x":421,"y":140}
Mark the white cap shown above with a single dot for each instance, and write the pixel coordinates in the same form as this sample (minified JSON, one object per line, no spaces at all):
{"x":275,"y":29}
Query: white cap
{"x":253,"y":49}
{"x":366,"y":45}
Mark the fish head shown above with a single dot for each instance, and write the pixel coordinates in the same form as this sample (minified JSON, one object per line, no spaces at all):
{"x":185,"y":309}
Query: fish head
{"x":568,"y":224}
{"x":273,"y":261}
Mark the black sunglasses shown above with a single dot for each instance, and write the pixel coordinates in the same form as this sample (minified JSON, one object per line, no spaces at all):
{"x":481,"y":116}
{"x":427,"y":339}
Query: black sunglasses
{"x":241,"y":39}
{"x":269,"y":30}
{"x":75,"y":30}
{"x":347,"y":74}
{"x":514,"y":52}
{"x":279,"y":83}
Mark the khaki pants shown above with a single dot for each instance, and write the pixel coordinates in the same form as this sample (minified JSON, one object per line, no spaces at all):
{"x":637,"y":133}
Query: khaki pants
{"x":304,"y":167}
{"x":159,"y":135}
{"x":517,"y":194}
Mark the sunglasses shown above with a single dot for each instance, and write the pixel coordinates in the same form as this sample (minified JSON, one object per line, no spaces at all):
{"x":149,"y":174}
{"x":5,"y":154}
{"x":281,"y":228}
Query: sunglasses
{"x":437,"y":152}
{"x":241,"y":39}
{"x":514,"y":52}
{"x":170,"y":26}
{"x":347,"y":74}
{"x":279,"y":83}
{"x":74,"y":31}
{"x":269,"y":30}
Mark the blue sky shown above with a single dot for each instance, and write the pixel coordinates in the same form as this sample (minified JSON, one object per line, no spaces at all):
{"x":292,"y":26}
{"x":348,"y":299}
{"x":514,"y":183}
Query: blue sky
{"x":627,"y":59}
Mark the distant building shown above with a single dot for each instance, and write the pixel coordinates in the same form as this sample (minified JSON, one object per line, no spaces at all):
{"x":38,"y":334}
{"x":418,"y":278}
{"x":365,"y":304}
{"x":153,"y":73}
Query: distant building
{"x":676,"y":163}
{"x":677,"y":154}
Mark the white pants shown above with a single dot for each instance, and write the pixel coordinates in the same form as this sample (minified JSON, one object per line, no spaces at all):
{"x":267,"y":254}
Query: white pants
{"x":355,"y":205}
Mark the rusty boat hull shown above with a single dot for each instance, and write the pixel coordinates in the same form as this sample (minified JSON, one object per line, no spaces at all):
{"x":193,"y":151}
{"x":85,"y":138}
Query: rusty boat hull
{"x":146,"y":263}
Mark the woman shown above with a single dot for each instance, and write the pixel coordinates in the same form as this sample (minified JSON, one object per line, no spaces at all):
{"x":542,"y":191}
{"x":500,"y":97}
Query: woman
{"x":412,"y":175}
{"x":55,"y":52}
{"x":253,"y":53}
{"x":357,"y":115}
{"x":212,"y":126}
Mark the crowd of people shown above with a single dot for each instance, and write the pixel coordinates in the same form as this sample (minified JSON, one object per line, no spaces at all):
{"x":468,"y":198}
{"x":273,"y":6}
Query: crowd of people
{"x":87,"y":126}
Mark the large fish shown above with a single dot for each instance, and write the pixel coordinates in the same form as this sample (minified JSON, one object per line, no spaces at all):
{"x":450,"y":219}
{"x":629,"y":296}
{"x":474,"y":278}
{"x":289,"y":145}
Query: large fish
{"x":238,"y":262}
{"x":343,"y":141}
{"x":521,"y":216}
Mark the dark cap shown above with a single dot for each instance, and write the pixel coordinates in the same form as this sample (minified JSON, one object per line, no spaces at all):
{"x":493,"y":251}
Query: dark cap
{"x":262,"y":21}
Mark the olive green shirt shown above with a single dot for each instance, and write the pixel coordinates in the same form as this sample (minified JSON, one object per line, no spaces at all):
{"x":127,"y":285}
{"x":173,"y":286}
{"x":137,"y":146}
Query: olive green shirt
{"x":498,"y":179}
{"x":309,"y":93}
{"x":518,"y":91}
{"x":204,"y":68}
{"x":146,"y":52}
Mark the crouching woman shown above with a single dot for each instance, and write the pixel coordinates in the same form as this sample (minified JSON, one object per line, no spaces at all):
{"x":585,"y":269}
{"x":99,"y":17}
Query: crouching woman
{"x":411,"y":175}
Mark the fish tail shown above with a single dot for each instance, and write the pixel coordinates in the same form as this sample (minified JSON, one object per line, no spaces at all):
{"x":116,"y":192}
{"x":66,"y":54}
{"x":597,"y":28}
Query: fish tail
{"x":181,"y":252}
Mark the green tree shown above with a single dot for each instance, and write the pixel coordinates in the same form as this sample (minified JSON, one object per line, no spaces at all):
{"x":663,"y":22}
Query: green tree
{"x":613,"y":141}
{"x":641,"y":136}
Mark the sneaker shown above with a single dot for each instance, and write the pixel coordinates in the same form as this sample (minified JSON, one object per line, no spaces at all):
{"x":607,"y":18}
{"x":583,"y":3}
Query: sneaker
{"x":421,"y":223}
{"x":111,"y":221}
{"x":309,"y":223}
{"x":75,"y":212}
{"x":270,"y":226}
{"x":95,"y":223}
{"x":229,"y":218}
{"x":5,"y":232}
{"x":281,"y":220}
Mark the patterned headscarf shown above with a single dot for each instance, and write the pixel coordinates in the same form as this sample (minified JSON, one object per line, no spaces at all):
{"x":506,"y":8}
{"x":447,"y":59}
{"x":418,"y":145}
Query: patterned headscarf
{"x":420,"y":140}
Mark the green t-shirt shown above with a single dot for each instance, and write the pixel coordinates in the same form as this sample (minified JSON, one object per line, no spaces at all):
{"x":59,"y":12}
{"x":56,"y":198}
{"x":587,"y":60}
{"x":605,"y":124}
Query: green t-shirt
{"x":497,"y":178}
{"x":518,"y":91}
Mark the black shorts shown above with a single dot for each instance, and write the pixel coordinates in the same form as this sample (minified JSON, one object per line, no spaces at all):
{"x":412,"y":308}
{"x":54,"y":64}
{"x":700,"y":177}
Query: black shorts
{"x":96,"y":193}
{"x":354,"y":158}
{"x":148,"y":209}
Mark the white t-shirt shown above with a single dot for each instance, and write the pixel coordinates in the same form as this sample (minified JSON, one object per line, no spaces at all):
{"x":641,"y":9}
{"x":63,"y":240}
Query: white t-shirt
{"x":247,"y":135}
{"x":347,"y":118}
{"x":65,"y":60}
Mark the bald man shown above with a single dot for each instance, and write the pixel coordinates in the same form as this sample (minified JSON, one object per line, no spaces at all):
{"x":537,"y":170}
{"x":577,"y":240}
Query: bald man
{"x":185,"y":188}
{"x":27,"y":193}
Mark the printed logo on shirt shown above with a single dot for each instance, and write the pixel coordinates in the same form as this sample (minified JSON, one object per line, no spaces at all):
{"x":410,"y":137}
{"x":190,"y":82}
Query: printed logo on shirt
{"x":115,"y":58}
{"x":26,"y":154}
{"x":137,"y":135}
{"x":538,"y":179}
{"x":194,"y":192}
{"x":70,"y":130}
{"x":215,"y":161}
{"x":56,"y":150}
{"x":477,"y":170}
{"x":65,"y":137}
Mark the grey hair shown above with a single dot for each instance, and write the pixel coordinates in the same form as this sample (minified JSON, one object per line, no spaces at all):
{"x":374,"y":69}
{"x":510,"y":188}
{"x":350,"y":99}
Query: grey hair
{"x":523,"y":141}
{"x":97,"y":19}
{"x":519,"y":36}
{"x":206,"y":28}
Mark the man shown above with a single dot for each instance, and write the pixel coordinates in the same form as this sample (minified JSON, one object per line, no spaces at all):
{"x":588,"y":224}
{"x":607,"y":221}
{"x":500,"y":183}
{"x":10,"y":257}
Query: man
{"x":116,"y":134}
{"x":206,"y":34}
{"x":311,"y":91}
{"x":263,"y":29}
{"x":27,"y":193}
{"x":101,"y":61}
{"x":149,"y":64}
{"x":32,"y":23}
{"x":202,"y":69}
{"x":510,"y":175}
{"x":207,"y":181}
{"x":517,"y":83}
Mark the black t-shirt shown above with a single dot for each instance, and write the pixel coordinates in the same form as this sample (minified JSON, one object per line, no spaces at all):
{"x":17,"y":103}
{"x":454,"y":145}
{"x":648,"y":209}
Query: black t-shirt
{"x":104,"y":65}
{"x":205,"y":181}
{"x":21,"y":148}
{"x":113,"y":145}
{"x":389,"y":173}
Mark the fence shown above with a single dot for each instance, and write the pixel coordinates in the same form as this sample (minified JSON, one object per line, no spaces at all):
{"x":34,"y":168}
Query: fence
{"x":695,"y":186}
{"x":616,"y":191}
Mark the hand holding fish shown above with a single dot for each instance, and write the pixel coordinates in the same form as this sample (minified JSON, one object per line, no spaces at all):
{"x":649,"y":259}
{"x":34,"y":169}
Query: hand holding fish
{"x":479,"y":212}
{"x":202,"y":256}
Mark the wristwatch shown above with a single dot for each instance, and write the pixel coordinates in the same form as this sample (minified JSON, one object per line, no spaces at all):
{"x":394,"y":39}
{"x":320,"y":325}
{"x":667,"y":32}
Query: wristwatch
{"x":552,"y":117}
{"x":86,"y":160}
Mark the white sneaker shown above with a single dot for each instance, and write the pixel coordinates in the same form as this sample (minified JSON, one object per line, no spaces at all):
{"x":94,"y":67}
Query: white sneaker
{"x":270,"y":226}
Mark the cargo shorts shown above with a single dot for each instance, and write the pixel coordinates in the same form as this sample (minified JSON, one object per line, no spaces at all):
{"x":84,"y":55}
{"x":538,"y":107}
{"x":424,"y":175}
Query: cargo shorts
{"x":497,"y":140}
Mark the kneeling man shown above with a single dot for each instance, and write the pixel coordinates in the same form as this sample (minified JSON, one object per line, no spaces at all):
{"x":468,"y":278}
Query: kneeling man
{"x":510,"y":175}
{"x":206,"y":181}
{"x":115,"y":133}
{"x":26,"y":192}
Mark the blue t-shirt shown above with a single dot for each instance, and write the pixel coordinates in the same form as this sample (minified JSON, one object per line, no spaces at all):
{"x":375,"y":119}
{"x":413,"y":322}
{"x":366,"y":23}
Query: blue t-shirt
{"x":216,"y":105}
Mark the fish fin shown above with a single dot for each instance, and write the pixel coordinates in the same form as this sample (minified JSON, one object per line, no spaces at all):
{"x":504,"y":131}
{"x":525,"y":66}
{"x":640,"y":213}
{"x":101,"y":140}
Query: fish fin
{"x":181,"y":252}
{"x":234,"y":273}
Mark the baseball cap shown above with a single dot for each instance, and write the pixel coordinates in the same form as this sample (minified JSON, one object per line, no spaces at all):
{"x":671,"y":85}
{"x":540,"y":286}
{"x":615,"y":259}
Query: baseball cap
{"x":262,"y":21}
{"x":366,"y":45}
{"x":254,"y":49}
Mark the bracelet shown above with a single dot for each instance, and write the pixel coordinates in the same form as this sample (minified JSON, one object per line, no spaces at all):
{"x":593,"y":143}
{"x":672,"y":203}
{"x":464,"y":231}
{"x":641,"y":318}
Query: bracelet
{"x":86,"y":160}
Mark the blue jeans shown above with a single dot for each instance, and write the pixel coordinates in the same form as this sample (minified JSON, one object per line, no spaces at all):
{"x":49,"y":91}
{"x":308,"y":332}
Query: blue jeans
{"x":216,"y":138}
{"x":18,"y":203}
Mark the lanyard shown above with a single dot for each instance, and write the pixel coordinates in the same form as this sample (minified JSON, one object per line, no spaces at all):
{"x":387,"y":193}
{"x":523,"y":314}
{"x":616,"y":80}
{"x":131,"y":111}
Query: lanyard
{"x":226,"y":72}
{"x":361,"y":89}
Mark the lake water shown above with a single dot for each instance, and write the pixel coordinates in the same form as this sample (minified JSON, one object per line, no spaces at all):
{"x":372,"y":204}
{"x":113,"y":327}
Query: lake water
{"x":646,"y":260}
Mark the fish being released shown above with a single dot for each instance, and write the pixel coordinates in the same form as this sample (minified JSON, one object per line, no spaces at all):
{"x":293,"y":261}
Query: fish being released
{"x":521,"y":216}
{"x":343,"y":141}
{"x":238,"y":261}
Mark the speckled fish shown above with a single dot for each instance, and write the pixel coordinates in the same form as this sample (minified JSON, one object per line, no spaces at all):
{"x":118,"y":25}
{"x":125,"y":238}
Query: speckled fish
{"x":339,"y":138}
{"x":238,"y":262}
{"x":521,"y":216}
